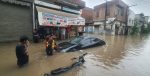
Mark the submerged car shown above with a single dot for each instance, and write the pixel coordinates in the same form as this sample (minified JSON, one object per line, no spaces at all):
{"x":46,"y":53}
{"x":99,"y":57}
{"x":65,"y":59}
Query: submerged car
{"x":79,"y":43}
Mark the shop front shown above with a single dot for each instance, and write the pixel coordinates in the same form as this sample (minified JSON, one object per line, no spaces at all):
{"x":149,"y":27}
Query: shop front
{"x":63,"y":25}
{"x":77,"y":26}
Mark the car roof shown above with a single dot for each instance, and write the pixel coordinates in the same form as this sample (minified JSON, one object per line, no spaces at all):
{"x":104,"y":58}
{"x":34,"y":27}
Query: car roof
{"x":85,"y":37}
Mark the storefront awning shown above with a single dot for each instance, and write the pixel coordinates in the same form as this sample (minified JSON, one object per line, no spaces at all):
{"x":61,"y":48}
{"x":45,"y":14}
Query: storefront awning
{"x":59,"y":13}
{"x":50,"y":17}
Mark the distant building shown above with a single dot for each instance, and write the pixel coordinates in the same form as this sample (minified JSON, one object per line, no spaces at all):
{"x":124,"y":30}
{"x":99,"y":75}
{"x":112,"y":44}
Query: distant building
{"x":87,"y":13}
{"x":115,"y":9}
{"x":147,"y":19}
{"x":141,"y":21}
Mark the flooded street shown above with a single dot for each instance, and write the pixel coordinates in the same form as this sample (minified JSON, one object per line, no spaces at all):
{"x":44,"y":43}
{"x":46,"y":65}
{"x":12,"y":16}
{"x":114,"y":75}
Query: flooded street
{"x":121,"y":56}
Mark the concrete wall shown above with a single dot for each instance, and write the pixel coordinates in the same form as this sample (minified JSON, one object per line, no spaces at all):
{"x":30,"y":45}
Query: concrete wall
{"x":112,"y":8}
{"x":15,"y":21}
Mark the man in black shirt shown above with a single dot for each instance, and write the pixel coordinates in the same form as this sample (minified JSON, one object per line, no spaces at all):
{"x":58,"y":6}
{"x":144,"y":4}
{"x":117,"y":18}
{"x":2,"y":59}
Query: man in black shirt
{"x":21,"y":51}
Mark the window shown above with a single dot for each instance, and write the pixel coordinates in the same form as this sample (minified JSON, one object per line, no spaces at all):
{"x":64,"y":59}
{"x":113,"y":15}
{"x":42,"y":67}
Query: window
{"x":76,"y":40}
{"x":86,"y":41}
{"x":108,"y":11}
{"x":120,"y":11}
{"x":95,"y":39}
{"x":97,"y":13}
{"x":133,"y":22}
{"x":129,"y":20}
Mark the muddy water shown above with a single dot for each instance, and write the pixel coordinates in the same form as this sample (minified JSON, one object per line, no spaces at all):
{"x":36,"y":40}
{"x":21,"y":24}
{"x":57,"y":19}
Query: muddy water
{"x":121,"y":56}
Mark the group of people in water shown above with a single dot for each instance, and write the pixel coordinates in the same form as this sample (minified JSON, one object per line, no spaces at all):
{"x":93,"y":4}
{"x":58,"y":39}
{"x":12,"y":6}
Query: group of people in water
{"x":22,"y":49}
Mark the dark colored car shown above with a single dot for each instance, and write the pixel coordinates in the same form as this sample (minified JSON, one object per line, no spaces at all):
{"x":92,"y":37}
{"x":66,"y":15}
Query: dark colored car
{"x":79,"y":43}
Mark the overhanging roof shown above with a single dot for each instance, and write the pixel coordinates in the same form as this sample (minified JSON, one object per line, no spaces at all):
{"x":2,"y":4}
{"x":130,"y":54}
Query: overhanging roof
{"x":56,"y":12}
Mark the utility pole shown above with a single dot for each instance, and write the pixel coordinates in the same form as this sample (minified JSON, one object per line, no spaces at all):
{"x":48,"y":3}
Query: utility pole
{"x":33,"y":15}
{"x":126,"y":23}
{"x":105,"y":15}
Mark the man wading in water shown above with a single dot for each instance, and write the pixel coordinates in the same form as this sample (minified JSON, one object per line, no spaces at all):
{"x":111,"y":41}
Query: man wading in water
{"x":50,"y":45}
{"x":21,"y":51}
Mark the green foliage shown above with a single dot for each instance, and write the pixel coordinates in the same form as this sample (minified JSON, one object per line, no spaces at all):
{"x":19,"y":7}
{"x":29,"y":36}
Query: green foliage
{"x":135,"y":29}
{"x":147,"y":30}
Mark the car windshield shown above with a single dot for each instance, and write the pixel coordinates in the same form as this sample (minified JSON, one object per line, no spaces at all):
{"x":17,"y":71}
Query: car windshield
{"x":76,"y":40}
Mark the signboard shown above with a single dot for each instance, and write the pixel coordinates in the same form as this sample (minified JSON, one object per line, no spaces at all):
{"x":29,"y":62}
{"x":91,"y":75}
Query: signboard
{"x":98,"y":23}
{"x":47,"y":4}
{"x":47,"y":19}
{"x":76,"y":21}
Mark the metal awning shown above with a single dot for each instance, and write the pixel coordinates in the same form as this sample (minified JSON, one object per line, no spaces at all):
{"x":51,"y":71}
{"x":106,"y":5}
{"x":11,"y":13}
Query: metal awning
{"x":56,"y":12}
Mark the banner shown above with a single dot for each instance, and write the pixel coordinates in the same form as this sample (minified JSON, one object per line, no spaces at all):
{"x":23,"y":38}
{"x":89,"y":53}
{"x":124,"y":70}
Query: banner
{"x":48,"y":19}
{"x":76,"y":21}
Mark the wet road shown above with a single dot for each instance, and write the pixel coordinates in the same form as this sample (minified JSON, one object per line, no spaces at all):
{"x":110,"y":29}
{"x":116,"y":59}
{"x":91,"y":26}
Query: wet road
{"x":122,"y":56}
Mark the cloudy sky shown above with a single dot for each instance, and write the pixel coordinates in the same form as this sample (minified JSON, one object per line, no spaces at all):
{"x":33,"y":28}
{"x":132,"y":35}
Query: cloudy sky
{"x":141,"y":5}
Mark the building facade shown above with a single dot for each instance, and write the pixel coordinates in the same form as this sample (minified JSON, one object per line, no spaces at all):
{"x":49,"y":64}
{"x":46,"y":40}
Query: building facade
{"x":60,"y":17}
{"x":87,"y":13}
{"x":141,"y":21}
{"x":131,"y":20}
{"x":115,"y":9}
{"x":21,"y":17}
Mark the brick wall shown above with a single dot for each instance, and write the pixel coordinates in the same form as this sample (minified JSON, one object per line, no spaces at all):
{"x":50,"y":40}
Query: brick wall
{"x":112,"y":8}
{"x":87,"y":13}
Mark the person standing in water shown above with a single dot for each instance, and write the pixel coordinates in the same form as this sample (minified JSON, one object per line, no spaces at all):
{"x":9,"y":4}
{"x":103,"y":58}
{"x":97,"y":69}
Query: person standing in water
{"x":50,"y":45}
{"x":21,"y":51}
{"x":49,"y":50}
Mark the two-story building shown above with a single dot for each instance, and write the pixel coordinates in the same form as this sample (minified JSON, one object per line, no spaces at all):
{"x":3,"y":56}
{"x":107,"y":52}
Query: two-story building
{"x":116,"y":10}
{"x":59,"y":17}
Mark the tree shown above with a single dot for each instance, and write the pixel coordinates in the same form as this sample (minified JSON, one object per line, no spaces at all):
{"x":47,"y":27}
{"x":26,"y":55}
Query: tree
{"x":142,"y":20}
{"x":135,"y":29}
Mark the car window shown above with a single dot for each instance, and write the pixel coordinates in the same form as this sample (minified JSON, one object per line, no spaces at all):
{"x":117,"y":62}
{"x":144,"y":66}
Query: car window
{"x":76,"y":40}
{"x":86,"y":41}
{"x":95,"y":39}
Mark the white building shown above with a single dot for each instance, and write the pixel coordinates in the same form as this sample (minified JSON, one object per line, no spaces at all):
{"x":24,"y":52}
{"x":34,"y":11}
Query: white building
{"x":131,"y":20}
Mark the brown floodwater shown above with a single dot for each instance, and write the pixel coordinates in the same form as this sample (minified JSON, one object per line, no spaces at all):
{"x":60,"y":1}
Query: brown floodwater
{"x":121,"y":56}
